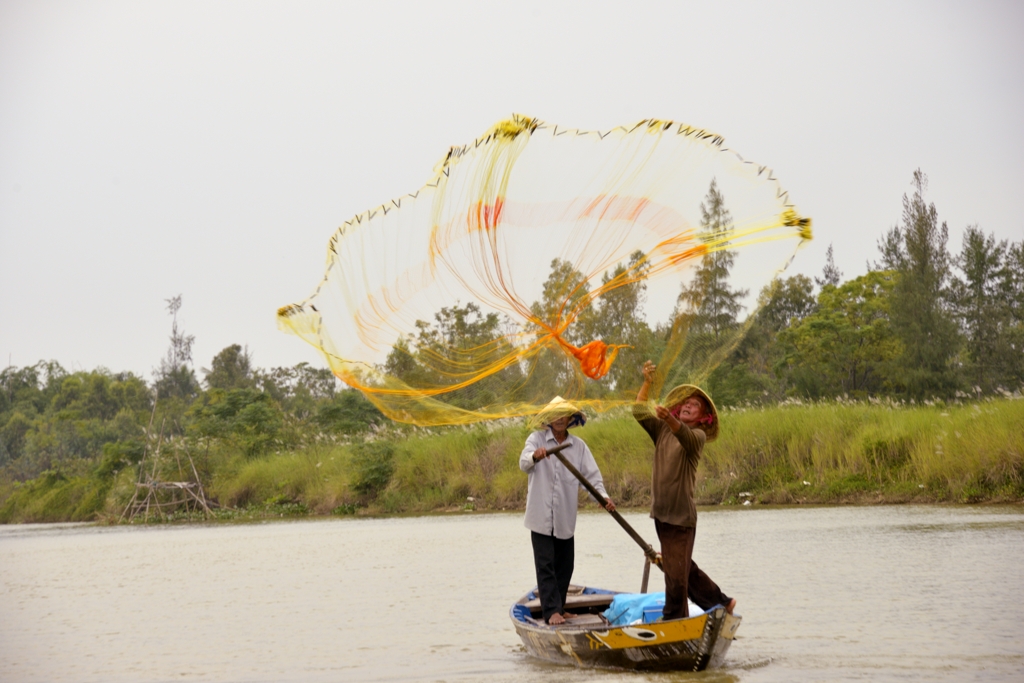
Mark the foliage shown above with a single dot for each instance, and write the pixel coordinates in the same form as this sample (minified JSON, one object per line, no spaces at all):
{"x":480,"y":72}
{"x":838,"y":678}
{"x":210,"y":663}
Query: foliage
{"x":287,"y":439}
{"x":620,"y":320}
{"x":784,"y":303}
{"x":712,"y":303}
{"x":845,"y":451}
{"x":565,"y":297}
{"x":460,"y":343}
{"x":848,"y":343}
{"x":566,"y":305}
{"x":834,"y":451}
{"x":175,"y":377}
{"x":248,"y":418}
{"x":30,"y":389}
{"x":916,"y":251}
{"x":230,"y":369}
{"x":100,"y":423}
{"x":300,"y":390}
{"x":348,"y":412}
{"x":749,"y":375}
{"x":707,"y":309}
{"x":830,"y":274}
{"x":118,"y":455}
{"x":55,"y":418}
{"x":55,"y":496}
{"x":986,"y":302}
{"x":373,"y":464}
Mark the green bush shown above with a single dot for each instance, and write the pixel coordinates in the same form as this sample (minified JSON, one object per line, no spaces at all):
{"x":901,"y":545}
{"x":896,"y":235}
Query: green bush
{"x":120,"y":454}
{"x":373,"y":465}
{"x":248,"y":418}
{"x":348,"y":413}
{"x":55,"y":497}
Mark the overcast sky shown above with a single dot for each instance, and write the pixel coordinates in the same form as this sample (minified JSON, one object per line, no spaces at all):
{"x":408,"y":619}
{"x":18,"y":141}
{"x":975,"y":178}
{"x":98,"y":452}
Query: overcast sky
{"x":209,"y":149}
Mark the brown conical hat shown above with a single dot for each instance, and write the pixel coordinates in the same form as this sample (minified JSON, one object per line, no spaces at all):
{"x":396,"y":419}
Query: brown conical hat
{"x":685,"y":391}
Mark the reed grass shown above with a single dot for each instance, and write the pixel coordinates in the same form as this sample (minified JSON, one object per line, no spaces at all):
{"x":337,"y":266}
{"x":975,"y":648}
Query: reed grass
{"x":840,"y":452}
{"x":54,"y":497}
{"x":314,"y":477}
{"x":831,"y":452}
{"x":835,"y":452}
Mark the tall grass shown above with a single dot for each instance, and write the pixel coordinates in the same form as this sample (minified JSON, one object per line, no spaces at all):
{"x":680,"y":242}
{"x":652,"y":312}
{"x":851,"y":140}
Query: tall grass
{"x":55,"y":497}
{"x":315,"y":477}
{"x":796,"y":453}
{"x":832,"y":452}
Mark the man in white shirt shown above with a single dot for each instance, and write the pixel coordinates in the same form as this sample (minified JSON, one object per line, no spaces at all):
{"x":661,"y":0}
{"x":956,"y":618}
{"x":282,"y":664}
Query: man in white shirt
{"x":551,"y":501}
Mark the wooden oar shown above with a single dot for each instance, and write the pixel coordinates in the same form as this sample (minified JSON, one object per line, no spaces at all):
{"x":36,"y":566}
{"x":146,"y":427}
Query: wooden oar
{"x":652,"y":555}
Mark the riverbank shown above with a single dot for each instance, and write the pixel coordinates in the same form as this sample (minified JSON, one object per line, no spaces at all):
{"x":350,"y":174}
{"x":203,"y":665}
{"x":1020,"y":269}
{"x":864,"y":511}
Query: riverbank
{"x":822,"y":453}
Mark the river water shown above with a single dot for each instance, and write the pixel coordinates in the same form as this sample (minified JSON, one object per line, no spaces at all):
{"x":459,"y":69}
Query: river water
{"x":827,"y":594}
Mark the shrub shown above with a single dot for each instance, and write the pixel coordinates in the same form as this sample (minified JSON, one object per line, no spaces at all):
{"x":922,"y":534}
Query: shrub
{"x":373,"y":464}
{"x":120,"y":454}
{"x":348,"y":413}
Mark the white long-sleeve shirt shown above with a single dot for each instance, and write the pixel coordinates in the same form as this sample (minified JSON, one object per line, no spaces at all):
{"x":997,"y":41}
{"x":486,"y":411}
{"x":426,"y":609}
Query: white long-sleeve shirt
{"x":552,"y":490}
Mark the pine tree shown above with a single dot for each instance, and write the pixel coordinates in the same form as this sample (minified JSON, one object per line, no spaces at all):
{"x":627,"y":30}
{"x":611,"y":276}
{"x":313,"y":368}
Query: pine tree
{"x":830,"y":275}
{"x":620,"y":320}
{"x":1012,"y":292}
{"x":175,"y":377}
{"x":709,"y":299}
{"x":984,"y":304}
{"x":707,"y":310}
{"x":916,"y":250}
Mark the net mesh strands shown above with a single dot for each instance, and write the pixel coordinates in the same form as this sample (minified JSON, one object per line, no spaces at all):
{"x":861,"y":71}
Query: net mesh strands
{"x":542,"y":261}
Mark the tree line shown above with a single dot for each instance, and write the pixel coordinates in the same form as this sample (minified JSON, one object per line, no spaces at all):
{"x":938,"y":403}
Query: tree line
{"x":922,"y":323}
{"x":51,"y":418}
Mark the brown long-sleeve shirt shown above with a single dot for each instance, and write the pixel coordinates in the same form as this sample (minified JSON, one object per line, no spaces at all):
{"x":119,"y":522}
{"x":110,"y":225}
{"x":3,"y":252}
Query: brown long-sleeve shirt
{"x":674,"y":475}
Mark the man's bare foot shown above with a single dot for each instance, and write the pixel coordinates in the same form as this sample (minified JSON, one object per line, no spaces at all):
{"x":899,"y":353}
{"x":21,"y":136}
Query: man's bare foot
{"x":731,"y":606}
{"x":570,"y":615}
{"x":556,"y":619}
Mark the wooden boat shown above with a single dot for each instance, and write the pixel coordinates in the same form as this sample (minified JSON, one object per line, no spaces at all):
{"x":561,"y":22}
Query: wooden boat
{"x":588,"y":640}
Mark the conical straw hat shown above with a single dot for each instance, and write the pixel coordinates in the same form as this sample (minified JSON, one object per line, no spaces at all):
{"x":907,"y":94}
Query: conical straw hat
{"x":685,"y":391}
{"x":558,"y":407}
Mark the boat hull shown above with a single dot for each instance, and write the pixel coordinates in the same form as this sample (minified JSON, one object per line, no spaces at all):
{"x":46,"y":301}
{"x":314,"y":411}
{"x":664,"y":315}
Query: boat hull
{"x":691,"y":644}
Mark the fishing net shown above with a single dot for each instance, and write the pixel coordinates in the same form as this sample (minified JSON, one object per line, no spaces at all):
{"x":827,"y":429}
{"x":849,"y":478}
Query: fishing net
{"x":542,"y":261}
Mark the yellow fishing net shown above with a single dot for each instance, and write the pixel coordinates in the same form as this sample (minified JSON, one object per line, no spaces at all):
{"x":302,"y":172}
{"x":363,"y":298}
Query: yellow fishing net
{"x":542,"y":261}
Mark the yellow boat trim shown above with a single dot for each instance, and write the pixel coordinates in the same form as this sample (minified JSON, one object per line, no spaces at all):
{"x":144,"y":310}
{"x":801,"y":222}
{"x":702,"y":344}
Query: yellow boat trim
{"x":657,"y":633}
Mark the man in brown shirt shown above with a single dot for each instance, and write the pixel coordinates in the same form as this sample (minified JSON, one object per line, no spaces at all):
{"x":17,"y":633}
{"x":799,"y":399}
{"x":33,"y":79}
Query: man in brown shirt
{"x":679,"y":433}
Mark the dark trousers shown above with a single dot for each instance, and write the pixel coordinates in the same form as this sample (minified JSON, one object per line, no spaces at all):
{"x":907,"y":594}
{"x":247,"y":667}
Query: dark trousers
{"x":554,"y":559}
{"x":682,"y":575}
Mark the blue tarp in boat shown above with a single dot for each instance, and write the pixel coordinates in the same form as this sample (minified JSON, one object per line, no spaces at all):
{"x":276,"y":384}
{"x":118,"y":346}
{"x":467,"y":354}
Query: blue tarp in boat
{"x":631,"y":608}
